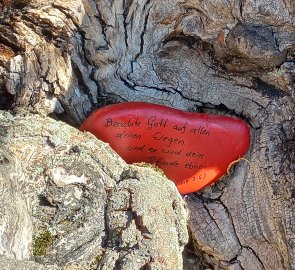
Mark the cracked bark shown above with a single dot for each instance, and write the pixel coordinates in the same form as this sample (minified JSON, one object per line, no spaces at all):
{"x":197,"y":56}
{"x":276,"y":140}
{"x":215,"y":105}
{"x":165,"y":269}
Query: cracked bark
{"x":65,"y":59}
{"x":97,"y":210}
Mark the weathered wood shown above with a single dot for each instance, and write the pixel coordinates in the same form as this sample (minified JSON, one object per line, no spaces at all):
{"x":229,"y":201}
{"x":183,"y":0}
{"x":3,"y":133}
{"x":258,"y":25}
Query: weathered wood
{"x":67,"y":200}
{"x":65,"y":58}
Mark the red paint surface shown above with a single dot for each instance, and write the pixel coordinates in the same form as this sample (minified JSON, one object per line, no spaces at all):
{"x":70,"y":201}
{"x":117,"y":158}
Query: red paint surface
{"x":193,"y":149}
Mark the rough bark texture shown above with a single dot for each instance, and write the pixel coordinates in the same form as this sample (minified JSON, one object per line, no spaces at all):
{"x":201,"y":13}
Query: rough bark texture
{"x":236,"y":57}
{"x":70,"y":201}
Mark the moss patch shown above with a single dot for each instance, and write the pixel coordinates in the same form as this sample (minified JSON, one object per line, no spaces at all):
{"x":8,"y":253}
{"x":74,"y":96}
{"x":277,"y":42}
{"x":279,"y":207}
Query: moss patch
{"x":149,"y":165}
{"x":42,"y":243}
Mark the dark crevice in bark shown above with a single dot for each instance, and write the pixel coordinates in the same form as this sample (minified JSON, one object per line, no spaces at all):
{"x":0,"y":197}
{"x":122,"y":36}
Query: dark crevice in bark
{"x":212,"y":218}
{"x":82,"y":37}
{"x":6,"y":101}
{"x":231,"y":221}
{"x":128,"y":174}
{"x":99,"y":89}
{"x":50,"y":92}
{"x":47,"y":34}
{"x":64,"y":117}
{"x":268,"y":90}
{"x":36,"y":27}
{"x":163,"y":90}
{"x":20,"y":4}
{"x":103,"y":25}
{"x":204,"y":200}
{"x":145,"y":267}
{"x":202,"y":48}
{"x":222,"y":109}
{"x":235,"y":260}
{"x":126,"y":83}
{"x":78,"y":114}
{"x":43,"y":201}
{"x":241,"y":7}
{"x":34,"y":97}
{"x":103,"y":98}
{"x":44,"y":30}
{"x":126,"y":5}
{"x":117,"y":264}
{"x":192,"y":251}
{"x":142,"y":34}
{"x":68,"y":16}
{"x":8,"y":39}
{"x":146,"y":234}
{"x":189,"y":41}
{"x":146,"y":4}
{"x":82,"y":84}
{"x":107,"y":236}
{"x":256,"y":256}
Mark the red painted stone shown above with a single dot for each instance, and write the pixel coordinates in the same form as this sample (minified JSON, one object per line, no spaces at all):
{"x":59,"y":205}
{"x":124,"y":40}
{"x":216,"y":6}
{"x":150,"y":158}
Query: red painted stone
{"x":193,"y":149}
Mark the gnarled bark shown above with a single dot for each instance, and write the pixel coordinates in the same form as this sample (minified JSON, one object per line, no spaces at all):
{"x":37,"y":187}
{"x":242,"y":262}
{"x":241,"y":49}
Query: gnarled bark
{"x":66,"y":58}
{"x":69,"y":201}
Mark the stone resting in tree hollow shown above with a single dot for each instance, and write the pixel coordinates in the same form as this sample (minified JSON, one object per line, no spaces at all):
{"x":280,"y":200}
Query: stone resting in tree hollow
{"x":193,"y":149}
{"x":68,"y":58}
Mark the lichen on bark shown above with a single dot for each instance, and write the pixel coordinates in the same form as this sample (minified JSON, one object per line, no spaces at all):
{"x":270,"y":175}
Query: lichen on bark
{"x":68,"y":200}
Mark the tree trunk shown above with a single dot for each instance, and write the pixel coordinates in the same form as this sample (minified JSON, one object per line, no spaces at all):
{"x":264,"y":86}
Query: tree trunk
{"x":66,"y":58}
{"x":70,"y":201}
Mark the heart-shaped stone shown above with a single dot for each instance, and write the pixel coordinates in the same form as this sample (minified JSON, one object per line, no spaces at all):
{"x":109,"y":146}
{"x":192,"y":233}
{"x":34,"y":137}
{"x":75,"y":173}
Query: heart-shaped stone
{"x":193,"y":149}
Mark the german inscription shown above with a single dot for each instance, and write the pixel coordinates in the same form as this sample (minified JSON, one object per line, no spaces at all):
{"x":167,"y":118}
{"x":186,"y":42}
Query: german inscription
{"x":193,"y":150}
